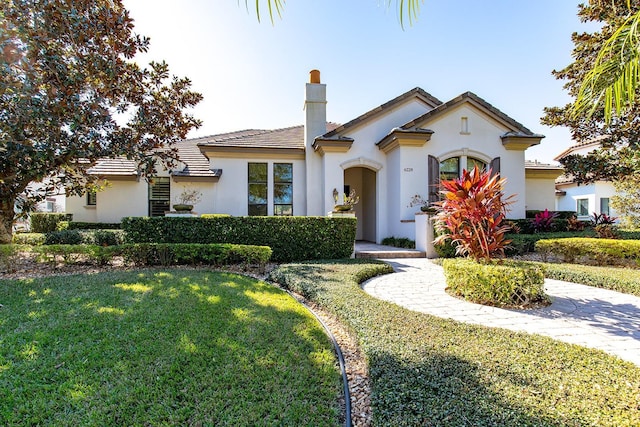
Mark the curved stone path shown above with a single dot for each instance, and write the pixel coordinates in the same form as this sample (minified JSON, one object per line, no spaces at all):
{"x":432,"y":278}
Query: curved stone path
{"x":584,"y":315}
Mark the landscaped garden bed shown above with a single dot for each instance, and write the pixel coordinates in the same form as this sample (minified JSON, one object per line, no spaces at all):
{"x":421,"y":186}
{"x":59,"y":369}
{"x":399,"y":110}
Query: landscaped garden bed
{"x":430,"y":371}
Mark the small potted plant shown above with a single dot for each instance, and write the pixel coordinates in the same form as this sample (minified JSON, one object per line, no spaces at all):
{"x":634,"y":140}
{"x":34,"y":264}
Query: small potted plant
{"x":417,"y":200}
{"x":187,"y":199}
{"x":347,"y":201}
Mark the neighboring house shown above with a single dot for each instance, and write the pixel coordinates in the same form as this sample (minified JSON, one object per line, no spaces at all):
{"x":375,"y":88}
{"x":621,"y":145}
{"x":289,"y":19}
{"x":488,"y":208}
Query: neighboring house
{"x":387,"y":155}
{"x":584,"y":199}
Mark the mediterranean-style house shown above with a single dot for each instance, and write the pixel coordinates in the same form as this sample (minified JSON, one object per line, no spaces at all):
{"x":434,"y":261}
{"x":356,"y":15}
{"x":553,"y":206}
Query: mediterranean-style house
{"x":584,"y":199}
{"x":399,"y":149}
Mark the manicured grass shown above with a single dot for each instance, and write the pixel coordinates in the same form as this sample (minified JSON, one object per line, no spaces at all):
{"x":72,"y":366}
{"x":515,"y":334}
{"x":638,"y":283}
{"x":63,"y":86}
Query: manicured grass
{"x":175,"y":347}
{"x":626,"y":280}
{"x":436,"y":372}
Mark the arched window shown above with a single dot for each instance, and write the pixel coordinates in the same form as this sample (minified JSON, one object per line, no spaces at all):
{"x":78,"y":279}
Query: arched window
{"x":450,"y":168}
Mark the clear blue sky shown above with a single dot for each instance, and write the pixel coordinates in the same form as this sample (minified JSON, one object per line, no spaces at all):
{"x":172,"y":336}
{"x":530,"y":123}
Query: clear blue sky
{"x":252,"y":74}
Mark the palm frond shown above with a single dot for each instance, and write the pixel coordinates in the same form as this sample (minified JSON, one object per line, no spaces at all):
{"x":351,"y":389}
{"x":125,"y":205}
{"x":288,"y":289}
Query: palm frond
{"x":613,"y":80}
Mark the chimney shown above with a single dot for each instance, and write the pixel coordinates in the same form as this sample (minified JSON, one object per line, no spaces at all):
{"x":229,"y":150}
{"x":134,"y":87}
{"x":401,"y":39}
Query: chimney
{"x":315,"y":105}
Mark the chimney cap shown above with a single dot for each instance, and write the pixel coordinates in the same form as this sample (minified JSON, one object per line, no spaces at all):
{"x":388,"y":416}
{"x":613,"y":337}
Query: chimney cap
{"x":314,"y":76}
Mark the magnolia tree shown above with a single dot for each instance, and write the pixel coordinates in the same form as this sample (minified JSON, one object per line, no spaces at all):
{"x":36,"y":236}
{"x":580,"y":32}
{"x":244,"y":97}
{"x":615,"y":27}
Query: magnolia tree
{"x":71,"y":93}
{"x":473,"y":214}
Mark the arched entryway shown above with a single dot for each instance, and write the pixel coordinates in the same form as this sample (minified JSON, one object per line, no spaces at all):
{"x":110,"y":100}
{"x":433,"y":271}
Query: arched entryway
{"x":363,"y":181}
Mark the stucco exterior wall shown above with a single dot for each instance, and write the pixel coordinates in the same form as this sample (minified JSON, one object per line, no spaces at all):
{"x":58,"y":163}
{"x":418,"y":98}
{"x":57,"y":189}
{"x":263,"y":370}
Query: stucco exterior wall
{"x":540,"y":194}
{"x":230,"y":193}
{"x":77,"y":205}
{"x":482,"y":141}
{"x":593,"y":192}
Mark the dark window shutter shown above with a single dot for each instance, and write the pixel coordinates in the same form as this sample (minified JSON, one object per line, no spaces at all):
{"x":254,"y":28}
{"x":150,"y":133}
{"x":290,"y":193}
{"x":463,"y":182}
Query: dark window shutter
{"x":495,"y":166}
{"x":434,"y":179}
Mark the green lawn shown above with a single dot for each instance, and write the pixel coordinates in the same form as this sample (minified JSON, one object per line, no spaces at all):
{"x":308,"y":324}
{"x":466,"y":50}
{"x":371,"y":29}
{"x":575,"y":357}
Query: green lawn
{"x":436,"y":372}
{"x":179,"y":347}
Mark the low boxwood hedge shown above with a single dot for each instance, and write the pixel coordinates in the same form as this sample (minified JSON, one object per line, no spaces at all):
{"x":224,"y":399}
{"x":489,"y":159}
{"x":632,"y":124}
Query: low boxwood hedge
{"x":157,"y":254}
{"x":33,"y":239}
{"x":510,"y":283}
{"x":43,"y":222}
{"x":290,"y":238}
{"x":592,"y":251}
{"x":108,"y":237}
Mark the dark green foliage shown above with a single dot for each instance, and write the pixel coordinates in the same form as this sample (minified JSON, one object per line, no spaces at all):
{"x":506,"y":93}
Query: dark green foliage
{"x":290,"y":238}
{"x":87,"y":237}
{"x":78,"y":225}
{"x":399,"y":242}
{"x":509,"y":284}
{"x":44,"y":222}
{"x":145,"y":254}
{"x":427,"y":371}
{"x":592,"y":251}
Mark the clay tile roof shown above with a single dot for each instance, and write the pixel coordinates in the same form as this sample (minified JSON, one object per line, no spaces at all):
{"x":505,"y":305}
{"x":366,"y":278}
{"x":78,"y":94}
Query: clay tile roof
{"x":291,"y":137}
{"x":529,"y":164}
{"x":114,"y":167}
{"x":196,"y":164}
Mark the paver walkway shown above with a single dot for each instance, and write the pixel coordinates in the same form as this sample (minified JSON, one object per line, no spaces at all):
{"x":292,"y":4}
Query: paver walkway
{"x":584,"y":315}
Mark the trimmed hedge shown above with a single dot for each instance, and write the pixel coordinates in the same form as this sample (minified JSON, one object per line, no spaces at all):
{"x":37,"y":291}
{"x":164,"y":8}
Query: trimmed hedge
{"x":157,"y":254}
{"x":44,"y":222}
{"x":590,"y":250}
{"x":399,"y":242}
{"x":560,"y":214}
{"x":108,"y":237}
{"x":9,"y":256}
{"x":290,"y":238}
{"x":79,"y":225}
{"x":506,"y":284}
{"x":33,"y":239}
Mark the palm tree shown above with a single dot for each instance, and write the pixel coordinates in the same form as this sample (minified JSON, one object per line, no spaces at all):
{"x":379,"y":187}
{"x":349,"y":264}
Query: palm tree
{"x":614,"y":78}
{"x":406,"y":8}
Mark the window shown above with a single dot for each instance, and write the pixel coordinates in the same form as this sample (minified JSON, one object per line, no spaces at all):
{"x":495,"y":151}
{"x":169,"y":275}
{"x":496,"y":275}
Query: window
{"x":450,"y":168}
{"x":582,"y":207}
{"x":283,"y":189}
{"x":604,"y":206}
{"x":258,"y":188}
{"x":92,"y":198}
{"x":159,"y":195}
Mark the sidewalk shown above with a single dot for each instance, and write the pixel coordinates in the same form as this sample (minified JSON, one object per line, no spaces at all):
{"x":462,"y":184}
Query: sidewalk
{"x":583,"y":315}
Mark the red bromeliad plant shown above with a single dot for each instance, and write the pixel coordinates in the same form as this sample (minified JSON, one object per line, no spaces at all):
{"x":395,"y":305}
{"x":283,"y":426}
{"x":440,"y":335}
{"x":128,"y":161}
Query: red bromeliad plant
{"x":473,"y":212}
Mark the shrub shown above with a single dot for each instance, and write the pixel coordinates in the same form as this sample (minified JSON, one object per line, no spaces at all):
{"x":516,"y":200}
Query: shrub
{"x":194,"y":254}
{"x":473,"y":212}
{"x":543,"y":221}
{"x":64,"y":237}
{"x":559,"y":214}
{"x":593,"y":251}
{"x":33,"y":239}
{"x":146,"y":254}
{"x":9,"y":256}
{"x":507,"y":284}
{"x":106,"y":237}
{"x":399,"y":242}
{"x":44,"y":222}
{"x":79,"y":225}
{"x":290,"y":238}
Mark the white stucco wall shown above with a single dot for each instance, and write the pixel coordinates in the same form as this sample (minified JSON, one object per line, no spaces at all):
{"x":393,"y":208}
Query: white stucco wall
{"x":77,"y":205}
{"x":593,"y":192}
{"x":230,"y":193}
{"x":540,"y":194}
